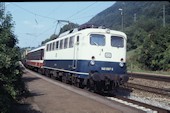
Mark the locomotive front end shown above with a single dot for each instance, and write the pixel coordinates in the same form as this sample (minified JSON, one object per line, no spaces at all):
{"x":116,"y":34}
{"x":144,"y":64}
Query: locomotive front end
{"x":106,"y":53}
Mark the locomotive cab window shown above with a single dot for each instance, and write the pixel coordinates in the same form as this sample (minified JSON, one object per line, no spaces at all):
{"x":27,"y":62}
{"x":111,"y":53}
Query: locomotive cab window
{"x":117,"y":41}
{"x":97,"y":39}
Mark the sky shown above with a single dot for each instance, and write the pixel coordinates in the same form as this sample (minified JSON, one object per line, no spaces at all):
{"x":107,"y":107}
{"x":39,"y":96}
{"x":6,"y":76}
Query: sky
{"x":37,"y":21}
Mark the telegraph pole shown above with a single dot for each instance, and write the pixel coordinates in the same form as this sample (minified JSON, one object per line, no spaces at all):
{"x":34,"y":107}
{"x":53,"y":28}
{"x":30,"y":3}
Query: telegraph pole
{"x":163,"y":15}
{"x":122,"y":14}
{"x":121,"y":9}
{"x":135,"y":17}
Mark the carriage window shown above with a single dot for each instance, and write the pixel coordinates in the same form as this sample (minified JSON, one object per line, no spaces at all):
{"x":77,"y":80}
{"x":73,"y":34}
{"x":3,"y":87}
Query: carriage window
{"x":65,"y":43}
{"x":117,"y":41}
{"x":71,"y":42}
{"x":96,"y":39}
{"x":57,"y":45}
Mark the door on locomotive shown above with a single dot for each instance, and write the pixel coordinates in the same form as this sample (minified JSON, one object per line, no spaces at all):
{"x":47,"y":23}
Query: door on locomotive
{"x":75,"y":40}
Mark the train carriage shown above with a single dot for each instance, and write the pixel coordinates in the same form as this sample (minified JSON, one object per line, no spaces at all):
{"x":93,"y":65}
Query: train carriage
{"x":35,"y":58}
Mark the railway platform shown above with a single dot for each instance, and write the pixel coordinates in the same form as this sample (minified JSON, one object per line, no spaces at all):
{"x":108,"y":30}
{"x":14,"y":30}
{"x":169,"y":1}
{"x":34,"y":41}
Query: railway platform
{"x":51,"y":96}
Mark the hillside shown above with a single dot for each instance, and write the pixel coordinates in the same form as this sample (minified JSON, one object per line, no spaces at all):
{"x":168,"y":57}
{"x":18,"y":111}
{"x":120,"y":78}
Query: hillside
{"x":111,"y":17}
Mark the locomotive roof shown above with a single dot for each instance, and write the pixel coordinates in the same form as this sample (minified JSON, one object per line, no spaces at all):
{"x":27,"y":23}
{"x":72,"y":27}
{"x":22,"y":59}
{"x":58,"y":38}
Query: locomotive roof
{"x":87,"y":28}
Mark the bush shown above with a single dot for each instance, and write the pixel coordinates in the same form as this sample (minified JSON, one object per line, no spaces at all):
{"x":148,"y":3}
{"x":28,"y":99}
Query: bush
{"x":11,"y":85}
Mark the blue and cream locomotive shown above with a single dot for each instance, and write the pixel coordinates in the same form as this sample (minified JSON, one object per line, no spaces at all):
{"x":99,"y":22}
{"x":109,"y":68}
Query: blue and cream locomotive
{"x":92,"y":57}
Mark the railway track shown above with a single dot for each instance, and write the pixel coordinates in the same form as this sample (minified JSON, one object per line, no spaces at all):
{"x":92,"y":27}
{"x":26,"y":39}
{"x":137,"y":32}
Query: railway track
{"x":154,"y":108}
{"x":150,"y":76}
{"x":165,"y":92}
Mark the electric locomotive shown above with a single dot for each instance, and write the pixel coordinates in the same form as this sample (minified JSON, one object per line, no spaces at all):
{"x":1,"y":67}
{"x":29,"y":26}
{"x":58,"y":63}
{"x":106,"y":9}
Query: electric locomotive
{"x":89,"y":56}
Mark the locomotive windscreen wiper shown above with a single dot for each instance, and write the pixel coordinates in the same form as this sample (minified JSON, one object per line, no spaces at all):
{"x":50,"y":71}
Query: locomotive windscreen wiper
{"x":95,"y":43}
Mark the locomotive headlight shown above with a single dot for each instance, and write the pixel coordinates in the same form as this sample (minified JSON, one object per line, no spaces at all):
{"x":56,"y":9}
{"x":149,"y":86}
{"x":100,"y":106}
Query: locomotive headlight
{"x":121,"y":64}
{"x":92,"y":62}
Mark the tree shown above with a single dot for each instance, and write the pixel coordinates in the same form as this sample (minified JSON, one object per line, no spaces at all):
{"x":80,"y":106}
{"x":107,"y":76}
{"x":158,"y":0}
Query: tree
{"x":11,"y":85}
{"x":155,"y":50}
{"x":68,"y":27}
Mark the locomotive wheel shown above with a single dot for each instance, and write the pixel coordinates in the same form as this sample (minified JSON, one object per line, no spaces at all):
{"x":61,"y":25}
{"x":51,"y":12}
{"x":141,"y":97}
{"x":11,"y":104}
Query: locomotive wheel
{"x":87,"y":85}
{"x":91,"y":85}
{"x":73,"y":80}
{"x":46,"y":72}
{"x":60,"y":76}
{"x":64,"y":78}
{"x":52,"y":75}
{"x":94,"y":86}
{"x":79,"y":83}
{"x":57,"y":75}
{"x":98,"y":87}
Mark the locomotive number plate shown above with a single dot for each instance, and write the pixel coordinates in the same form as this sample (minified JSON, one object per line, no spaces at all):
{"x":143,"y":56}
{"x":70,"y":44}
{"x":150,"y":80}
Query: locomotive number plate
{"x":107,"y":68}
{"x":108,"y":55}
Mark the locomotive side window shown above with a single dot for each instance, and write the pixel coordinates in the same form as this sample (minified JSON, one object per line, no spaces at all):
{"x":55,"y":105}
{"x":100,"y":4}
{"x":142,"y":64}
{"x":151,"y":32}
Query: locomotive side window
{"x":97,"y":39}
{"x":117,"y":41}
{"x":57,"y":45}
{"x":50,"y":46}
{"x":47,"y":47}
{"x":65,"y":43}
{"x":71,"y":42}
{"x":61,"y":44}
{"x":53,"y":45}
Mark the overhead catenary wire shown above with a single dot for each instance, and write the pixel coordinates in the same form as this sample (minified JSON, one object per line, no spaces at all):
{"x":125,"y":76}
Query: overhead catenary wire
{"x":82,"y":17}
{"x":36,"y":20}
{"x":33,"y":12}
{"x":52,"y":11}
{"x":81,"y":10}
